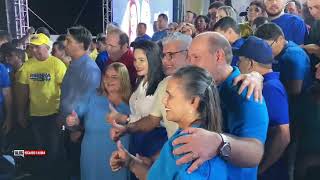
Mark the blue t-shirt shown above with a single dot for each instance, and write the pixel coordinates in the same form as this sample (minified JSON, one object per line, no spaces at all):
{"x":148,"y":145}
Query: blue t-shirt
{"x":102,"y":59}
{"x":4,"y":81}
{"x":276,"y":99}
{"x":141,"y":38}
{"x":159,"y":35}
{"x":293,"y":64}
{"x":293,"y":27}
{"x":165,"y":166}
{"x":243,"y":118}
{"x":237,"y":44}
{"x":83,"y":76}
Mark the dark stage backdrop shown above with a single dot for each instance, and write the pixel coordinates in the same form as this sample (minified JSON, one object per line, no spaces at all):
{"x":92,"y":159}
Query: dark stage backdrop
{"x":61,"y":14}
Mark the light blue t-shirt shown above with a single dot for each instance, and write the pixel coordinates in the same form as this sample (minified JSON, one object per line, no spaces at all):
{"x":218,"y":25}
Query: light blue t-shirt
{"x":82,"y":76}
{"x":165,"y":166}
{"x":157,"y":36}
{"x":242,"y":118}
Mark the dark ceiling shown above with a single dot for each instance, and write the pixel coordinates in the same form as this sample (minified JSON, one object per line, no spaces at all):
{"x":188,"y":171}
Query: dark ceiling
{"x":61,"y":14}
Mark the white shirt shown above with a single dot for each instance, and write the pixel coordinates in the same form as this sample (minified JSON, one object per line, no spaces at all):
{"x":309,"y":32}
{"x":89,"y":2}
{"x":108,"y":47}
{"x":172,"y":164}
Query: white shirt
{"x":140,"y":104}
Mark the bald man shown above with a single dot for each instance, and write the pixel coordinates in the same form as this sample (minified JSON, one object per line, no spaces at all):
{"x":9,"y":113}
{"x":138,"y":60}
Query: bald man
{"x":313,"y":42}
{"x":245,"y":120}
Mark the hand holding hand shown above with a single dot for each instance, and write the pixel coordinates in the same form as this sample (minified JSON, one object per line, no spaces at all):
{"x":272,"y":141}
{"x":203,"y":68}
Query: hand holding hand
{"x":117,"y":131}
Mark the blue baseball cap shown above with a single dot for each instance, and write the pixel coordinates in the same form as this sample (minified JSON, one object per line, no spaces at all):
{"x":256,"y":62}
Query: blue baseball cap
{"x":256,"y":49}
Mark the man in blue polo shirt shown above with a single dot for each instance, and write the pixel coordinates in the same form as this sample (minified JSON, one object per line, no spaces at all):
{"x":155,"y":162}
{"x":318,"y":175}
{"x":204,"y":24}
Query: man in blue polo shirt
{"x":293,"y":27}
{"x":244,"y":118}
{"x":141,"y":32}
{"x":256,"y":55}
{"x":230,"y":29}
{"x":162,"y":23}
{"x":291,"y":61}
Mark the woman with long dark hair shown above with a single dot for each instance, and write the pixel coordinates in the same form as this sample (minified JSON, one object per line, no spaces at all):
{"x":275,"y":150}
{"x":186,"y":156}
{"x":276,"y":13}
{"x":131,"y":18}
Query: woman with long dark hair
{"x":192,"y":101}
{"x":148,"y":65}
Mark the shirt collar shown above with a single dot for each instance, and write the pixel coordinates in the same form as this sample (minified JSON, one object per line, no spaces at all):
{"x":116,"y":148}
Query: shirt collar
{"x":230,"y":78}
{"x":271,"y":75}
{"x":238,"y":43}
{"x":126,"y":55}
{"x":283,"y":50}
{"x":79,"y":61}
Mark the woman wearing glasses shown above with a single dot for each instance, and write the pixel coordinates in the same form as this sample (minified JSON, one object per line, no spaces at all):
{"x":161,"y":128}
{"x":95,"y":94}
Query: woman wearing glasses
{"x":255,"y":9}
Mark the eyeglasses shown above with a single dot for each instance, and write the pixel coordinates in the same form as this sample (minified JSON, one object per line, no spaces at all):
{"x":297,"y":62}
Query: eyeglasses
{"x":274,"y":41}
{"x":254,"y":10}
{"x":169,"y":55}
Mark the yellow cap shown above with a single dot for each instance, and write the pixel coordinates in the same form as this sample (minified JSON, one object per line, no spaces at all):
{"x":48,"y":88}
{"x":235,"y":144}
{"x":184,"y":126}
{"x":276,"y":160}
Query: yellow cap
{"x":40,"y":39}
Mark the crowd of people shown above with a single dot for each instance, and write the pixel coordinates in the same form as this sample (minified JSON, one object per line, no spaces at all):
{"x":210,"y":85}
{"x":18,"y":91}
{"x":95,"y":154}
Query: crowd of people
{"x":226,"y":95}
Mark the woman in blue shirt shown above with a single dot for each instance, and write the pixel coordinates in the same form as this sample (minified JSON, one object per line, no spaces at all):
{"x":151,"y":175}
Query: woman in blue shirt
{"x":192,"y":100}
{"x":96,"y":145}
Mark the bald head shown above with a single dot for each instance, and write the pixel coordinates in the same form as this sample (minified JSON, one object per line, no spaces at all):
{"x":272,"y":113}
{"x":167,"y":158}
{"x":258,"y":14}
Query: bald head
{"x":215,"y":41}
{"x":211,"y":51}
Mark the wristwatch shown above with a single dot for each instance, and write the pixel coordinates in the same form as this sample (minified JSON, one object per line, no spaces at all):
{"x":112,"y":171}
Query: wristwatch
{"x":224,"y":150}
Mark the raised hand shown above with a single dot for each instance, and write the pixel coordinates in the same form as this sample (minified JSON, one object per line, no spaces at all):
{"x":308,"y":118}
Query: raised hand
{"x":72,"y":119}
{"x":114,"y":115}
{"x":117,"y":131}
{"x":120,"y":158}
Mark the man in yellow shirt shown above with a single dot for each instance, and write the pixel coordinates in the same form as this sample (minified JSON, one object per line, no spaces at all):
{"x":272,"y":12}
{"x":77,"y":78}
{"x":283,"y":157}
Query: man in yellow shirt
{"x":41,"y":78}
{"x":93,"y":52}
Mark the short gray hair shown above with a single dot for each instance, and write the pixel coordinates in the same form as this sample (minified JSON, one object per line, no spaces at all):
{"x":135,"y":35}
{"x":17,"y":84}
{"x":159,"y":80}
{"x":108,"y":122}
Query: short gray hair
{"x":177,"y":36}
